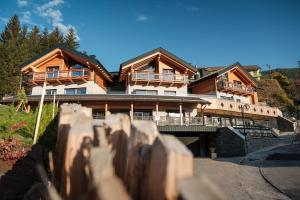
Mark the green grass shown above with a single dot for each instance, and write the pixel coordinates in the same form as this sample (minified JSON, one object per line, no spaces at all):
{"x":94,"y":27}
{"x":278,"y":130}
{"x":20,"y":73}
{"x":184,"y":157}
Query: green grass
{"x":9,"y":118}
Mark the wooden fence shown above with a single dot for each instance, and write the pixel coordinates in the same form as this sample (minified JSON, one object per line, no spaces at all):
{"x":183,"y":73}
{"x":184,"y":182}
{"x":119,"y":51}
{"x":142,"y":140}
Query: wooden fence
{"x":121,"y":160}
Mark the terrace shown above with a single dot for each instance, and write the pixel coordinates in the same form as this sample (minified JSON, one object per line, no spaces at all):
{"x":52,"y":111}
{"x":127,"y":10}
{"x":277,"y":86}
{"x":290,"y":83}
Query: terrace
{"x":150,"y":77}
{"x":72,"y":75}
{"x":234,"y":88}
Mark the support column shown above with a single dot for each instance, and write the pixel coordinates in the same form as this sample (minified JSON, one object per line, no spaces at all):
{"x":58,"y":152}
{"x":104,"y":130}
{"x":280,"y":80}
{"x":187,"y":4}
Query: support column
{"x":181,"y":117}
{"x":156,"y":114}
{"x":131,"y":111}
{"x":106,"y":110}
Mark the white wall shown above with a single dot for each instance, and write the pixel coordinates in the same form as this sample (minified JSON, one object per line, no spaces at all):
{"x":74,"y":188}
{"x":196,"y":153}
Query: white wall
{"x":91,"y":88}
{"x":235,"y":97}
{"x":180,"y":91}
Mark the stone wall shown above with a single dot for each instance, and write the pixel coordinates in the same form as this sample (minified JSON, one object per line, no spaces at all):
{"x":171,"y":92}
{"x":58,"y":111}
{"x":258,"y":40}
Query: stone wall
{"x":229,"y":144}
{"x":285,"y":125}
{"x":257,"y":143}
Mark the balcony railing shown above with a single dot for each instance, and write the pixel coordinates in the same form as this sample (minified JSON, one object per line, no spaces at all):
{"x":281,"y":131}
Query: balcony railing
{"x":155,"y":77}
{"x":233,"y":106}
{"x":69,"y":75}
{"x":233,"y":87}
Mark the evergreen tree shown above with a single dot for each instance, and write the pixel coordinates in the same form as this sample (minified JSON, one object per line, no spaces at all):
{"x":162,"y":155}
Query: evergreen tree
{"x":12,"y":30}
{"x":55,"y":37}
{"x":71,"y":39}
{"x":18,"y":45}
{"x":44,"y":44}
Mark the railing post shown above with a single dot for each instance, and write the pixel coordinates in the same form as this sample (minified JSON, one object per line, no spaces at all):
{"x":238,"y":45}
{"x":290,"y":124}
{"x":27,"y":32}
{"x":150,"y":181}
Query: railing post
{"x":131,"y":111}
{"x":181,"y":117}
{"x":156,"y":114}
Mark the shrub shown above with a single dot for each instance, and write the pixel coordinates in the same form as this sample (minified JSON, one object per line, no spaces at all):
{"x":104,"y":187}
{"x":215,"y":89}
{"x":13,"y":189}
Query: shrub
{"x":11,"y":150}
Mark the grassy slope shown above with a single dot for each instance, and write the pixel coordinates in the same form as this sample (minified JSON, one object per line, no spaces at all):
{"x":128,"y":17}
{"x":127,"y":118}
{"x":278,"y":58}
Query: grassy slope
{"x":9,"y":118}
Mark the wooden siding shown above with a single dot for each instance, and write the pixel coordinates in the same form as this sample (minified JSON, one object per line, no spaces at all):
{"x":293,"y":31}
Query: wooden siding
{"x":204,"y":87}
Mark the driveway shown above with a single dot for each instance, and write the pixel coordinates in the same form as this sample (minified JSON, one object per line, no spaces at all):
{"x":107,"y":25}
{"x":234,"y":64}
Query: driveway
{"x":240,"y":178}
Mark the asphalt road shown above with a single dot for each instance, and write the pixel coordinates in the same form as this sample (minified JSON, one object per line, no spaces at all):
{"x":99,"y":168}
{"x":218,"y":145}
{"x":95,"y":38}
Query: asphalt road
{"x":241,"y":178}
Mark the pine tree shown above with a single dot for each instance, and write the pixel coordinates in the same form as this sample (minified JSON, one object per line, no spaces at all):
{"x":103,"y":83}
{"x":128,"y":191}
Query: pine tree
{"x":18,"y":45}
{"x":12,"y":30}
{"x":55,"y":37}
{"x":71,"y":39}
{"x":45,"y":40}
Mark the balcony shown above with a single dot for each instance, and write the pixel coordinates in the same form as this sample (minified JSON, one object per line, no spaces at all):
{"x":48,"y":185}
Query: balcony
{"x":221,"y":106}
{"x":233,"y":88}
{"x":73,"y":75}
{"x":147,"y":78}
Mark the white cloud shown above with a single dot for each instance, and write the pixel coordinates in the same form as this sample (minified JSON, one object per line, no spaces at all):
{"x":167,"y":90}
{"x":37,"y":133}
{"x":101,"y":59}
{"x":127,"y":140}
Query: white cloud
{"x":192,"y":8}
{"x":51,"y":11}
{"x":142,"y":18}
{"x":22,"y":3}
{"x":26,"y":17}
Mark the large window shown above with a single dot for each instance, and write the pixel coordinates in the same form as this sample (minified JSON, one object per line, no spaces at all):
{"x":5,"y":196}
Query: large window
{"x":52,"y":72}
{"x":73,"y":91}
{"x":145,"y":92}
{"x":170,"y":93}
{"x":168,"y":74}
{"x":79,"y":70}
{"x":50,"y":91}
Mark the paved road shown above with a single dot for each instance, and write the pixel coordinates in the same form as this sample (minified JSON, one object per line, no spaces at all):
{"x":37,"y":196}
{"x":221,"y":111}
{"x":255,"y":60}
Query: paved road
{"x":242,"y":181}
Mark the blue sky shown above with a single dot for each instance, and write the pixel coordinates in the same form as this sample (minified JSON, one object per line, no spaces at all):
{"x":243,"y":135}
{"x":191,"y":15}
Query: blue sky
{"x":205,"y":33}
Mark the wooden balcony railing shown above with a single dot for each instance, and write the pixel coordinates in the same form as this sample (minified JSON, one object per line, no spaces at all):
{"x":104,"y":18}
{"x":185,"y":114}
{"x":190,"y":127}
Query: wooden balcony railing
{"x":234,"y":88}
{"x":60,"y":76}
{"x":159,"y":78}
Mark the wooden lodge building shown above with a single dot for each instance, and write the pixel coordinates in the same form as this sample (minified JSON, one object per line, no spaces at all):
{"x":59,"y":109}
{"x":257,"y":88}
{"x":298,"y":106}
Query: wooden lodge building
{"x":156,"y":85}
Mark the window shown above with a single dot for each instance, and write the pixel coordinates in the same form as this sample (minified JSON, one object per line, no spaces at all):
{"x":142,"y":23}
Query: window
{"x":168,"y":74}
{"x":170,"y":93}
{"x":51,"y":92}
{"x":142,"y":114}
{"x":237,"y":84}
{"x":52,"y":72}
{"x":73,"y":91}
{"x":145,"y":92}
{"x":238,"y":100}
{"x":227,"y":98}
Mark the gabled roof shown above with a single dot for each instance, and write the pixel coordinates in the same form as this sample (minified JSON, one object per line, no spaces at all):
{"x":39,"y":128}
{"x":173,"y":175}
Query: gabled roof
{"x":216,"y":68}
{"x":223,"y":70}
{"x":162,"y":51}
{"x":63,"y":47}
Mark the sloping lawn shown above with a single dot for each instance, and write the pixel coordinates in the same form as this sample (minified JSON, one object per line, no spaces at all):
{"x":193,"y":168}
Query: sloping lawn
{"x":19,"y":125}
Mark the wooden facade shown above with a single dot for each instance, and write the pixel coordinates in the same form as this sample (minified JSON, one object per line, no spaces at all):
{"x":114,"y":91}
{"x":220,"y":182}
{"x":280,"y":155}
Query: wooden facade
{"x":61,"y":66}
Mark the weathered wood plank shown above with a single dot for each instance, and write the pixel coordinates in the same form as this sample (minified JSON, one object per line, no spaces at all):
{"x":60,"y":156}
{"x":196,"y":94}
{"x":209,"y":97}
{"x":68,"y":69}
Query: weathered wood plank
{"x":170,"y":161}
{"x":73,"y":179}
{"x":105,"y":184}
{"x":118,"y":128}
{"x":143,"y":134}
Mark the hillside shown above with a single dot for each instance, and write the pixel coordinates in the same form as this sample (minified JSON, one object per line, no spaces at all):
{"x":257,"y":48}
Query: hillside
{"x":290,"y":73}
{"x":281,"y":91}
{"x":272,"y":93}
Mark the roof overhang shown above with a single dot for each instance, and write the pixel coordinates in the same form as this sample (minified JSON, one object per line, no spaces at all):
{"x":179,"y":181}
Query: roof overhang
{"x":113,"y":98}
{"x":154,"y":56}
